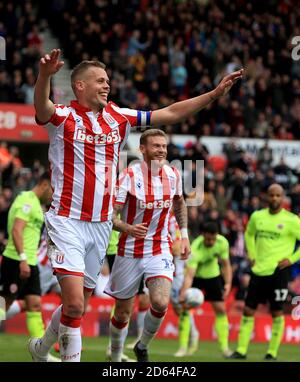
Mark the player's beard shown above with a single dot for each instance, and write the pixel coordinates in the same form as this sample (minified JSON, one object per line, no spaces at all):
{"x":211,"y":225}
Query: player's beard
{"x":275,"y":206}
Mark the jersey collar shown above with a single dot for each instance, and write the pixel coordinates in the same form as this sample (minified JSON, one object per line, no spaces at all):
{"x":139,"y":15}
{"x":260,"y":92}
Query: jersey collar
{"x":75,"y":105}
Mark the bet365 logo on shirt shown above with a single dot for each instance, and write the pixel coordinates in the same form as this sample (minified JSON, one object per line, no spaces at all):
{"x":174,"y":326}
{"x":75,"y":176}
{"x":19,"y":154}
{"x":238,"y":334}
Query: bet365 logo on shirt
{"x":155,"y":204}
{"x":296,"y":310}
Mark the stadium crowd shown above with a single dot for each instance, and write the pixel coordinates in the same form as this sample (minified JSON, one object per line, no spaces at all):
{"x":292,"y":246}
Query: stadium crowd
{"x":150,"y":68}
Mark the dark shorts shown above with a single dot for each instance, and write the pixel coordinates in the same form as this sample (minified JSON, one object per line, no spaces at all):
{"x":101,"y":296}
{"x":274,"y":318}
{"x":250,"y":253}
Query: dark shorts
{"x":212,"y":288}
{"x":12,"y":286}
{"x":111,"y":259}
{"x":272,"y":289}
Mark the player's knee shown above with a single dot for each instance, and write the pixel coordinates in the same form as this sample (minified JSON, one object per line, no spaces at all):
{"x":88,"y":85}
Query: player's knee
{"x":74,"y":309}
{"x":122,"y":315}
{"x":159,"y":305}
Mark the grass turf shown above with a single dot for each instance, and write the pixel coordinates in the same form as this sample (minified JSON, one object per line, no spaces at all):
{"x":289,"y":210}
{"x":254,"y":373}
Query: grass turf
{"x":13,"y":348}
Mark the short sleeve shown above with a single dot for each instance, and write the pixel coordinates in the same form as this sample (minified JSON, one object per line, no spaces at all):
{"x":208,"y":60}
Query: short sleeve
{"x":122,"y":188}
{"x":23,"y":210}
{"x":224,"y":253}
{"x":178,"y":192}
{"x":59,"y":116}
{"x":136,"y":118}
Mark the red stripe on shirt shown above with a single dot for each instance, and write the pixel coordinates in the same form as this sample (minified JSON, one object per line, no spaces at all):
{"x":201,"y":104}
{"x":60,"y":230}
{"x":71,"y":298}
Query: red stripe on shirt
{"x":162,"y":219}
{"x":147,"y":217}
{"x":121,"y":118}
{"x":130,"y":219}
{"x":67,"y":190}
{"x":89,"y":174}
{"x":109,"y":168}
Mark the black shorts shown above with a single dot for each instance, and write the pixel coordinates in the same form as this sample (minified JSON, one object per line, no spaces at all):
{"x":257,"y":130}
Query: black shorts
{"x":212,"y":288}
{"x":272,"y":289}
{"x":110,"y":261}
{"x":12,"y":286}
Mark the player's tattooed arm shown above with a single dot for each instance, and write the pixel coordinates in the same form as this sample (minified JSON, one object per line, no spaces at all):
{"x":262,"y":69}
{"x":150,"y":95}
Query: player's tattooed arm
{"x":180,"y":212}
{"x":138,"y":231}
{"x":119,"y":225}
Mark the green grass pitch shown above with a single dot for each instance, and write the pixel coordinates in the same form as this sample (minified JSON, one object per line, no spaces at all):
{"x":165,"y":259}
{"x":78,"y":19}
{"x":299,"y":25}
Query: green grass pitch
{"x":13,"y":348}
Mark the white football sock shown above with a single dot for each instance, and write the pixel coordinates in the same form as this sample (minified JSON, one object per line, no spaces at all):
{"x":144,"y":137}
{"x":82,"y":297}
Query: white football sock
{"x":70,"y":343}
{"x":51,"y":333}
{"x":152,"y":323}
{"x":118,"y":333}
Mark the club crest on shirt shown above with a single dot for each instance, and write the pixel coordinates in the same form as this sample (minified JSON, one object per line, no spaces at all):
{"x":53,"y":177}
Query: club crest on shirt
{"x":139,"y":184}
{"x":60,"y":257}
{"x":26,"y":208}
{"x":110,"y":120}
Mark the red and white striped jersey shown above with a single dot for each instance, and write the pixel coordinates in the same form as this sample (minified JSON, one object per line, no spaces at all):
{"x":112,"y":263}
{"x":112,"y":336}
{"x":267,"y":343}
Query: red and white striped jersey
{"x":42,"y":250}
{"x":84,"y":155}
{"x":147,"y":198}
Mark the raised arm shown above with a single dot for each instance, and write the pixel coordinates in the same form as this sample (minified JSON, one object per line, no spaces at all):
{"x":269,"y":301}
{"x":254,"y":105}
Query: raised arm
{"x":48,"y":66}
{"x":179,"y":111}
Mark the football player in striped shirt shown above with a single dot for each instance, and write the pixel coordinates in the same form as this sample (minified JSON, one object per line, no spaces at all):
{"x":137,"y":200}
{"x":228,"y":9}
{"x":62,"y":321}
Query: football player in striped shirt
{"x":86,"y":138}
{"x":144,"y":198}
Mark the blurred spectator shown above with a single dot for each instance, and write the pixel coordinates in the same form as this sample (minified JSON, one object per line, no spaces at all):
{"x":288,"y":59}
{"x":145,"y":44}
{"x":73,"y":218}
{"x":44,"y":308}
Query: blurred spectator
{"x":181,"y":53}
{"x":28,"y":87}
{"x":264,"y":157}
{"x":283,"y":174}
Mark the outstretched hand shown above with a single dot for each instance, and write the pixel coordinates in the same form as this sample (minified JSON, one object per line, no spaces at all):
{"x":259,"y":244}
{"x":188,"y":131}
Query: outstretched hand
{"x":226,"y":83}
{"x":50,"y":64}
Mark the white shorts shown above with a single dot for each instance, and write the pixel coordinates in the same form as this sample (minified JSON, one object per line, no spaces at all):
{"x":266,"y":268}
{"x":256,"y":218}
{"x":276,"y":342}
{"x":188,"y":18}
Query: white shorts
{"x":77,"y":247}
{"x":47,"y":279}
{"x":128,"y":272}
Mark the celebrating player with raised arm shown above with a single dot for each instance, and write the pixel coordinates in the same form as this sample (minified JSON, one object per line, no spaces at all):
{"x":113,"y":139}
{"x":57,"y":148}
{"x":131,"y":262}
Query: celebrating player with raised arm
{"x":85,"y":140}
